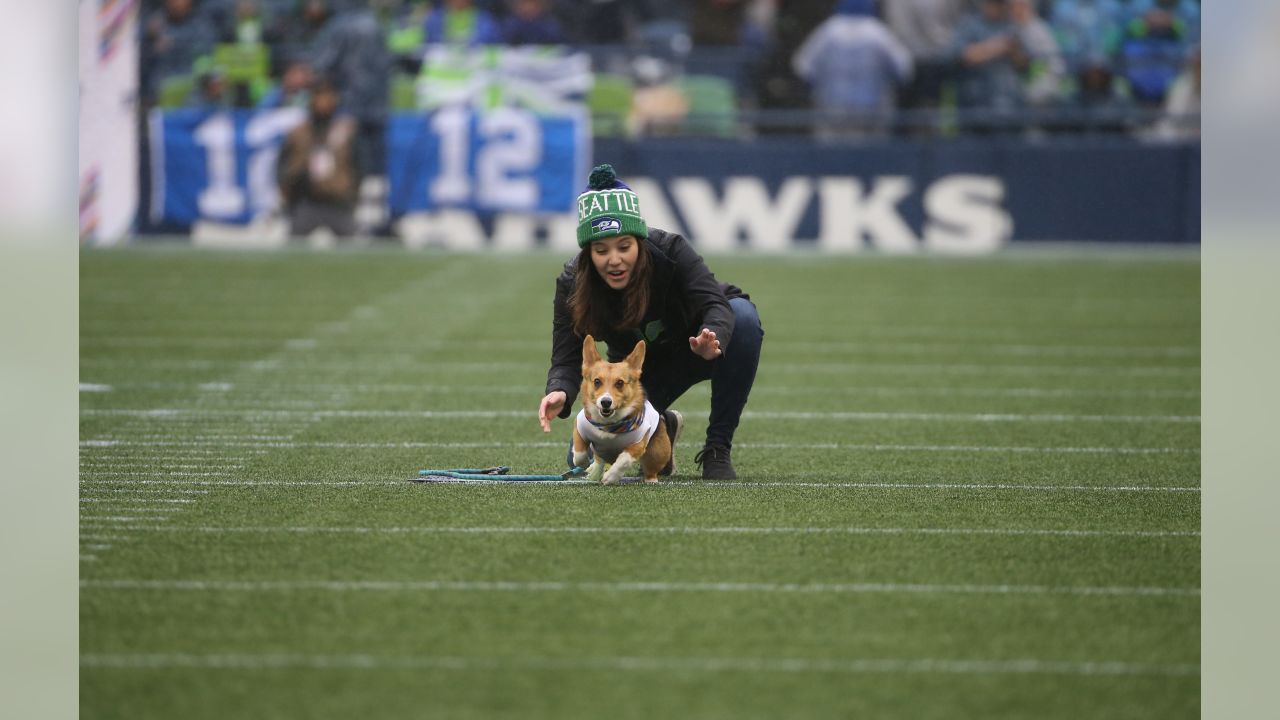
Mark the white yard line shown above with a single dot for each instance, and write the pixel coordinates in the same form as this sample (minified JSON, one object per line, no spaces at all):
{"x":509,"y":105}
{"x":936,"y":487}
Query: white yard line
{"x":415,"y":362}
{"x":410,"y":445}
{"x":698,"y":485}
{"x":1009,"y":532}
{"x":126,"y":492}
{"x":628,"y":587}
{"x":126,"y":499}
{"x":767,"y":665}
{"x":283,"y":390}
{"x":153,"y":473}
{"x":167,"y":413}
{"x":850,"y":347}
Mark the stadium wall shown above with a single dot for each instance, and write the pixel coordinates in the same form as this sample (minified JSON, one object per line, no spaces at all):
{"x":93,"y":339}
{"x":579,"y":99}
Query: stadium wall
{"x":770,"y":194}
{"x":968,"y":195}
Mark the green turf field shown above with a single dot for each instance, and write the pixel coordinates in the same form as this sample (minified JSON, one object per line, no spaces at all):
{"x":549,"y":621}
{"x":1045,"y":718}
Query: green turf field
{"x":969,"y":488}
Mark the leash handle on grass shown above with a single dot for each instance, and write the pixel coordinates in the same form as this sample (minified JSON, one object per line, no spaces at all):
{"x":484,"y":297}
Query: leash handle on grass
{"x":499,"y":473}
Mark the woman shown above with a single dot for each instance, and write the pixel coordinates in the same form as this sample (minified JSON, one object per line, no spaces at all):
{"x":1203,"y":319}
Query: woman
{"x":630,"y":283}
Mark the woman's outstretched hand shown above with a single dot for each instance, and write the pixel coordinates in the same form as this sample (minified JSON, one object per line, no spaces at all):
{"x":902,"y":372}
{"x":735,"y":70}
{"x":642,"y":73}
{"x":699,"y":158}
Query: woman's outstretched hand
{"x":551,"y":406}
{"x":705,"y":345}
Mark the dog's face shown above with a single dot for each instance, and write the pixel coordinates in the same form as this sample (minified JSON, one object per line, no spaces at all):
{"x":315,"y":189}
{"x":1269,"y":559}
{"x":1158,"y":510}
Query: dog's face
{"x":611,"y":392}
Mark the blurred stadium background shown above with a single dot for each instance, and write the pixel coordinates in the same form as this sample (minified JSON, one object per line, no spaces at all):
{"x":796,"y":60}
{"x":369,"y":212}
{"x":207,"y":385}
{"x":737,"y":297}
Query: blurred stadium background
{"x":937,"y":127}
{"x":971,"y":487}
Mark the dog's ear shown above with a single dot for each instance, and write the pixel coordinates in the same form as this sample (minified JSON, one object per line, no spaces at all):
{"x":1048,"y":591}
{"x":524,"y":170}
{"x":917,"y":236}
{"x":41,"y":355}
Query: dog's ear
{"x":590,"y":355}
{"x":636,"y":358}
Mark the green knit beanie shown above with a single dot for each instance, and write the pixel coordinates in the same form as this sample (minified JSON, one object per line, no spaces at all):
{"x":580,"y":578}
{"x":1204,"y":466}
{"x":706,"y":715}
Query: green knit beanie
{"x":608,"y":208}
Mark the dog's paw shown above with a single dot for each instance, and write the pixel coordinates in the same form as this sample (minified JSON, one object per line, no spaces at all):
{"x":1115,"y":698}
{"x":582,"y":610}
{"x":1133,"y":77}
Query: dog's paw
{"x":595,"y":473}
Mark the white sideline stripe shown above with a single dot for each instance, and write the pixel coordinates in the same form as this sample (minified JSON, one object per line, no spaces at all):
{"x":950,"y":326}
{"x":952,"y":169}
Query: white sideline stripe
{"x":1014,"y":532}
{"x":154,"y":473}
{"x":707,"y":485}
{"x":133,"y":491}
{"x":940,"y":666}
{"x":134,"y":500}
{"x":771,"y":446}
{"x":97,"y":546}
{"x":879,"y":347}
{"x":402,"y":360}
{"x":118,"y":518}
{"x":125,"y":464}
{"x":310,"y":389}
{"x":553,"y":586}
{"x":255,"y":483}
{"x":766,"y":415}
{"x":94,"y":388}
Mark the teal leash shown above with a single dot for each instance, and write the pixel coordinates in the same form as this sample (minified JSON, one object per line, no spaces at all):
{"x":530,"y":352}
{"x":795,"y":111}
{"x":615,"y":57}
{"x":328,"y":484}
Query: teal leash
{"x":499,"y":473}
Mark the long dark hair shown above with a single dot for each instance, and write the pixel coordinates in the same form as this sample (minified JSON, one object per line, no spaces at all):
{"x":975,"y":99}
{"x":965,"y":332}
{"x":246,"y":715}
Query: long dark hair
{"x":597,"y":308}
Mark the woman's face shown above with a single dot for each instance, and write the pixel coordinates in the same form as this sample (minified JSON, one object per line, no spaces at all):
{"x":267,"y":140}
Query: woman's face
{"x":614,"y":259}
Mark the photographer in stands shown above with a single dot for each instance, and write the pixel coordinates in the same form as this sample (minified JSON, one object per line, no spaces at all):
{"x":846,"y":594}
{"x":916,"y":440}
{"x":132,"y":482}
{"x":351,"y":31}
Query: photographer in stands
{"x":317,"y":170}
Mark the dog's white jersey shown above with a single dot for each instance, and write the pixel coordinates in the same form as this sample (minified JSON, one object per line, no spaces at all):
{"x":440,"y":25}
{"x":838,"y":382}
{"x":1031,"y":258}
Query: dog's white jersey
{"x":607,"y":445}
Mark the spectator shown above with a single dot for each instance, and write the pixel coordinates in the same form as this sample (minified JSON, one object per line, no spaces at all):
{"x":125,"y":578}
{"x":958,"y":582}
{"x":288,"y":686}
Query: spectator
{"x":316,"y":168}
{"x":1088,"y":31}
{"x":247,"y":23}
{"x":926,"y":28}
{"x":854,"y":64}
{"x":1186,"y":11}
{"x":717,"y":22}
{"x":1101,"y":104}
{"x":353,"y":53}
{"x":297,"y":34}
{"x":991,"y":61}
{"x":175,"y":36}
{"x":460,"y":22}
{"x":1181,"y":120}
{"x":1046,"y":70}
{"x":1152,"y":51}
{"x":210,"y":91}
{"x":292,"y":90}
{"x":531,"y":23}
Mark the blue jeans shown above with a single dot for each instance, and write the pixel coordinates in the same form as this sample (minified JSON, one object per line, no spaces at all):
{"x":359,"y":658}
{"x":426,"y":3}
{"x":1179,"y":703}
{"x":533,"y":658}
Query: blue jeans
{"x":732,"y":374}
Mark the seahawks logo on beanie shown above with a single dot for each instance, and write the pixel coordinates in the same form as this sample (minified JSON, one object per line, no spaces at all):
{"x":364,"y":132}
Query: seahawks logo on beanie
{"x":608,"y":208}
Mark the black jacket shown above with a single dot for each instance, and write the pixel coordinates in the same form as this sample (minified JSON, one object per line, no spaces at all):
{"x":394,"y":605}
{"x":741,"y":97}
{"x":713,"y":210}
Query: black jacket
{"x":684,"y":297}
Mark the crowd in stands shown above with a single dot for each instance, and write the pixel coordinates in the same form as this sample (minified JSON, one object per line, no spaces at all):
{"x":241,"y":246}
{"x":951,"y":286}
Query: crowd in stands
{"x":867,"y":68}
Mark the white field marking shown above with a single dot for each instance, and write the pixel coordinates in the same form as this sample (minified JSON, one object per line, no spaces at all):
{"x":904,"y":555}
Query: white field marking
{"x":627,"y":587}
{"x":125,"y":465}
{"x":764,"y":415}
{"x":97,"y":546}
{"x":1014,"y":349}
{"x":117,"y":518}
{"x":133,"y":491}
{"x":87,"y":558}
{"x":276,"y":390}
{"x":771,"y":666}
{"x":825,"y":347}
{"x":258,"y":483}
{"x":703,"y":485}
{"x":127,"y":499}
{"x":153,"y":473}
{"x":414,"y":361}
{"x":94,"y":388}
{"x":1011,"y":532}
{"x":409,"y":445}
{"x":98,"y":537}
{"x":215,"y":387}
{"x":146,"y":510}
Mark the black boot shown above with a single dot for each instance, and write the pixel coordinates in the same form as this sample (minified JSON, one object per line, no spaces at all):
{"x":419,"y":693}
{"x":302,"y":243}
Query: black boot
{"x":675,"y":423}
{"x":715,"y":463}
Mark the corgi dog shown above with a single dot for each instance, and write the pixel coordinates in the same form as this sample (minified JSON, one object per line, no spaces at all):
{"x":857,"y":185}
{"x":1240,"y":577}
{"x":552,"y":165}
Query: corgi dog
{"x":617,"y":422}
